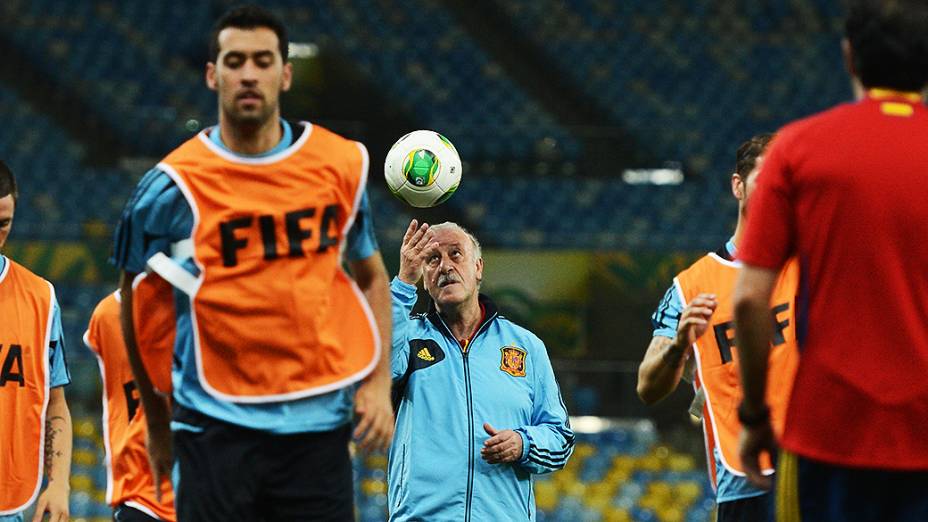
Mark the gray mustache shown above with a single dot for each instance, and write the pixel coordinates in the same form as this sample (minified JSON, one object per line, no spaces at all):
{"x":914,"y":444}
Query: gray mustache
{"x":445,"y":279}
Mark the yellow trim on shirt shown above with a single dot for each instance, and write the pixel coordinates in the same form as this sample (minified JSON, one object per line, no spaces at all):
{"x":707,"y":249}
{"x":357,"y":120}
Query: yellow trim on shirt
{"x":880,"y":94}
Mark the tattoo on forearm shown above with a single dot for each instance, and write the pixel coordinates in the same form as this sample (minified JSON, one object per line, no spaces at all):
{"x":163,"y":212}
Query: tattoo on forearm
{"x":51,"y":454}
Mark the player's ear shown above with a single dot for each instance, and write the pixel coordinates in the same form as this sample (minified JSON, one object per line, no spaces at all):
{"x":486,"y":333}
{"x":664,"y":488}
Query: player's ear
{"x":287,"y":77}
{"x":848,"y":53}
{"x":479,"y":270}
{"x":211,"y":76}
{"x":737,"y":186}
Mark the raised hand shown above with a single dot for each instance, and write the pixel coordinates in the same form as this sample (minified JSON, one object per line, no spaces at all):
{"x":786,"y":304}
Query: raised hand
{"x":695,"y":319}
{"x":416,"y":244}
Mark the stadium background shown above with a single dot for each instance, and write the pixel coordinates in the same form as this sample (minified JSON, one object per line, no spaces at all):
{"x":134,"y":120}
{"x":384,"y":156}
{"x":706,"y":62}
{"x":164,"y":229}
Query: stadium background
{"x":598,"y":138}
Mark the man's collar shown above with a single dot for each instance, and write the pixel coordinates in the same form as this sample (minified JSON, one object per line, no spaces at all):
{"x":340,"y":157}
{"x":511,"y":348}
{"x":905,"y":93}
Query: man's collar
{"x":891,"y":94}
{"x":286,"y":139}
{"x":490,"y":310}
{"x":728,"y":251}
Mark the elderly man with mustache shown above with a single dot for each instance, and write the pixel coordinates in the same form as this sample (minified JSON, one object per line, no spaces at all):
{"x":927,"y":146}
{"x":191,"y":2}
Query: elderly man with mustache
{"x":478,"y":408}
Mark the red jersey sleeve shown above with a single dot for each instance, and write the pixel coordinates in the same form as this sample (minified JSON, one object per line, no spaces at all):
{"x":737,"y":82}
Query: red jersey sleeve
{"x":769,"y":233}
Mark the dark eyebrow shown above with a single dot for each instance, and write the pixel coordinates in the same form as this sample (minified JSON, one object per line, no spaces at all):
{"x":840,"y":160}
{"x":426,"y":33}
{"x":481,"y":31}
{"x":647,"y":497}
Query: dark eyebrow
{"x":242,"y":54}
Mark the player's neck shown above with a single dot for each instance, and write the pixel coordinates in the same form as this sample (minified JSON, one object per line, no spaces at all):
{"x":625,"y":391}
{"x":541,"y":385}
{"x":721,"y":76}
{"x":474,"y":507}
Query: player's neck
{"x":250,"y":140}
{"x":858,"y":89}
{"x":739,"y":230}
{"x":463,"y":319}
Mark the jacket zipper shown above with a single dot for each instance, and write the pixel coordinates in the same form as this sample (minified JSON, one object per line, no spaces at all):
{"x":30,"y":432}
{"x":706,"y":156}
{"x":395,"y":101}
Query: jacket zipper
{"x":470,"y":409}
{"x":470,"y":440}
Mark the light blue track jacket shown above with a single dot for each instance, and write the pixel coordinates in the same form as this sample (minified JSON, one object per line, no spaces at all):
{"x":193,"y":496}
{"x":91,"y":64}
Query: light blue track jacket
{"x":445,"y":395}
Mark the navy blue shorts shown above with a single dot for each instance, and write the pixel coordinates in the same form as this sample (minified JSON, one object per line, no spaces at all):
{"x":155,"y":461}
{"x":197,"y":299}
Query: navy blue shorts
{"x":751,"y":509}
{"x":228,"y":473}
{"x":810,"y":490}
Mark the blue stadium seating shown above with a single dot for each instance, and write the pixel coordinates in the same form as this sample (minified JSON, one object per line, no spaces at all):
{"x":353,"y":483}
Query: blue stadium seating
{"x":692,"y":80}
{"x":59,"y":196}
{"x":422,"y":58}
{"x":109,"y":60}
{"x":597,"y":213}
{"x":683,"y":81}
{"x":138,"y":76}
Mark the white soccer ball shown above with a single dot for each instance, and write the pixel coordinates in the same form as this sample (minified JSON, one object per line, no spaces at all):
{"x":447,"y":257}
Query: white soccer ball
{"x":423,"y":169}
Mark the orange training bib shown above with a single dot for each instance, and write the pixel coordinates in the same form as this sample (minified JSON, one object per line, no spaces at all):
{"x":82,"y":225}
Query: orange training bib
{"x":708,"y":435}
{"x":155,"y":323}
{"x":25,"y":333}
{"x":129,"y":478}
{"x":275,"y":317}
{"x":717,"y":358}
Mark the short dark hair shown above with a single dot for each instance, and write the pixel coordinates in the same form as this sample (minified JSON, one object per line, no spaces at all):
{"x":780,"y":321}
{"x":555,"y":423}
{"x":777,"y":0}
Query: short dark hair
{"x":7,"y":182}
{"x":749,"y":151}
{"x":889,"y":40}
{"x":249,"y":17}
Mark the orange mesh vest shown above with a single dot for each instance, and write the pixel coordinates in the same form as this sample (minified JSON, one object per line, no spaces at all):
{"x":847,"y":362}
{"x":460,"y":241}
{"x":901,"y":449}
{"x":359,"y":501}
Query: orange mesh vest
{"x":25,"y":331}
{"x":708,"y":436}
{"x":155,"y":327}
{"x":717,"y":358}
{"x":129,"y":478}
{"x":274,"y":315}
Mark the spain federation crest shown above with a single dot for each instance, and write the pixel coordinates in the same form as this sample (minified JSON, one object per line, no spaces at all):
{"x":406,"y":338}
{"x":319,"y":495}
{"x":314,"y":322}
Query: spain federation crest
{"x":513,"y":361}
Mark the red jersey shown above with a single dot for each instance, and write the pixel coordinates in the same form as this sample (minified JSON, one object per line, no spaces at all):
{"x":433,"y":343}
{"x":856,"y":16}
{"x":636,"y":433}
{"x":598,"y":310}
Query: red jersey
{"x":847,"y":192}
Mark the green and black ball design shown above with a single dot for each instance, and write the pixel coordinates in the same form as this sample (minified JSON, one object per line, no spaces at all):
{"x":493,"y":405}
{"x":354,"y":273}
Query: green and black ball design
{"x":420,"y":167}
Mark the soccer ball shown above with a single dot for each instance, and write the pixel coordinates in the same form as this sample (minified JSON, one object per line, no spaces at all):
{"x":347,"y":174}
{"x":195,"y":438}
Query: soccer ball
{"x":423,"y":169}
